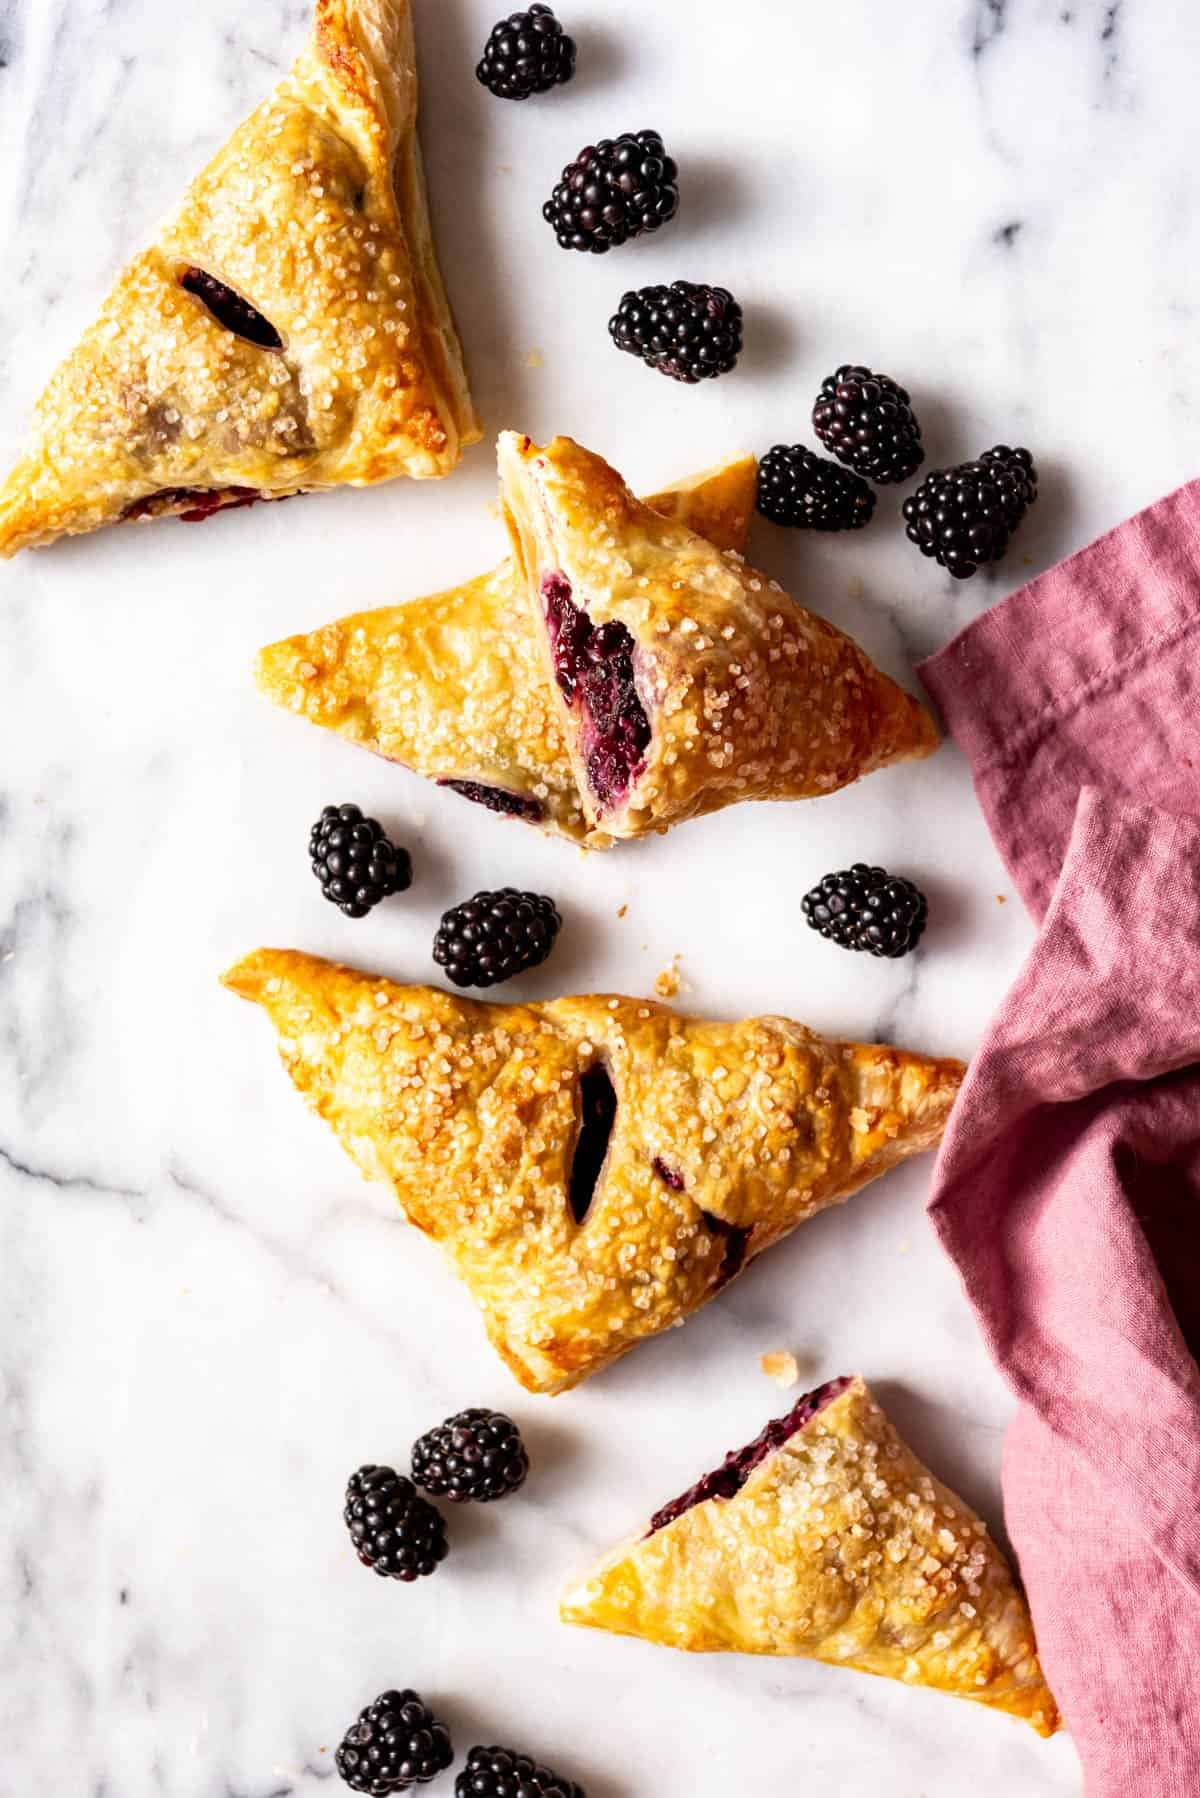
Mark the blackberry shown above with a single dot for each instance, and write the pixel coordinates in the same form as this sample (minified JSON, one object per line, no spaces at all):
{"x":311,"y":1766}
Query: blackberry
{"x":396,"y":1532}
{"x":493,"y":936}
{"x":397,"y":1742}
{"x":689,"y":330}
{"x":868,"y":909}
{"x":869,"y":424}
{"x":476,"y":1454}
{"x":964,"y":516}
{"x":527,"y":53}
{"x":354,"y":862}
{"x":614,"y":190}
{"x":502,"y":1773}
{"x":797,"y":488}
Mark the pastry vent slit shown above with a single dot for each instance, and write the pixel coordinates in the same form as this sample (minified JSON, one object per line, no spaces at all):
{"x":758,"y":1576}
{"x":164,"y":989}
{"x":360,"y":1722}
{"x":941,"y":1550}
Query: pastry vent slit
{"x":229,"y":309}
{"x":597,"y":1114}
{"x":735,"y":1238}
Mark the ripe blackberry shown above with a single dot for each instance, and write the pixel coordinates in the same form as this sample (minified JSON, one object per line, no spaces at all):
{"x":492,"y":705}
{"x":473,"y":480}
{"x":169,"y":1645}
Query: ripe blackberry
{"x":476,"y":1454}
{"x":396,"y":1532}
{"x":797,"y":488}
{"x":868,"y":909}
{"x":964,"y":516}
{"x":689,"y":330}
{"x":502,"y":1773}
{"x":869,"y":424}
{"x":527,"y":53}
{"x":354,"y":862}
{"x":493,"y":936}
{"x":614,"y":190}
{"x":397,"y":1742}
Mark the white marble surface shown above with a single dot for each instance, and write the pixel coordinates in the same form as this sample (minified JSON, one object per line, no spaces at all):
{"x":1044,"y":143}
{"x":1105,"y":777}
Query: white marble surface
{"x":208,"y":1320}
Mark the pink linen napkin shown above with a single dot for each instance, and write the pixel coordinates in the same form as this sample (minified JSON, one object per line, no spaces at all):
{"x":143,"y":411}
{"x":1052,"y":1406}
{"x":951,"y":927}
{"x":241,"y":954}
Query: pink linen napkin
{"x":1068,"y":1187}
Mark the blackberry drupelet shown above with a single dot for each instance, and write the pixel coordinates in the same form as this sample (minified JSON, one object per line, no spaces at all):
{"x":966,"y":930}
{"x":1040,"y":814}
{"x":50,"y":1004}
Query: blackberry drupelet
{"x":527,"y":53}
{"x":354,"y":861}
{"x":868,"y":909}
{"x":798,"y":488}
{"x":689,"y":330}
{"x":493,"y":936}
{"x":476,"y":1454}
{"x":396,"y":1532}
{"x":614,"y":190}
{"x":396,"y":1743}
{"x":502,"y":1773}
{"x":869,"y":424}
{"x":964,"y":516}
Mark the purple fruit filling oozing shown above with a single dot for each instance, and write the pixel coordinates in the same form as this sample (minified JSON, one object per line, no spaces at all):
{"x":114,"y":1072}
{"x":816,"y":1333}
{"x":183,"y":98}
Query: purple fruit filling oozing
{"x":497,"y":799}
{"x":597,"y":1113}
{"x":728,"y":1479}
{"x":670,"y":1175}
{"x":593,"y":665}
{"x":192,"y":505}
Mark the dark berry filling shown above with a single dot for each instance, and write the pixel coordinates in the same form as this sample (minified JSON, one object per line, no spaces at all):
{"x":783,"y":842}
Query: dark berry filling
{"x":671,"y":1176}
{"x":728,"y":1479}
{"x":230,"y":309}
{"x":497,"y":799}
{"x":735,"y":1237}
{"x":594,"y":668}
{"x":597,"y":1112}
{"x":200,"y":502}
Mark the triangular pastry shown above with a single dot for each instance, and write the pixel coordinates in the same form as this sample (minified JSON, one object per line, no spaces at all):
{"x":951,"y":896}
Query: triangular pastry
{"x":827,"y":1538}
{"x":595,"y":1168}
{"x":453,"y":686}
{"x":287,"y":330}
{"x":687,"y":679}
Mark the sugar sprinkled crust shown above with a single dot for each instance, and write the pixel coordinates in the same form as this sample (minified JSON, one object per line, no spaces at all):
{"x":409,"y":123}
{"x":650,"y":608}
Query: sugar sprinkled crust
{"x":839,"y":1546}
{"x":453,"y":686}
{"x":749,"y":695}
{"x":725,"y":1137}
{"x":315,"y":214}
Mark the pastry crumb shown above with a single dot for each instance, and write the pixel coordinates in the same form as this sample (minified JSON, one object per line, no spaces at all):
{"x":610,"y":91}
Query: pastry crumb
{"x":666,"y":984}
{"x":782,"y":1367}
{"x":534,"y":358}
{"x":622,"y":910}
{"x":1001,"y":898}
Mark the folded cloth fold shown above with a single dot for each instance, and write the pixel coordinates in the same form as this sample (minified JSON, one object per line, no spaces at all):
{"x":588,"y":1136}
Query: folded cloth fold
{"x":1068,"y":1187}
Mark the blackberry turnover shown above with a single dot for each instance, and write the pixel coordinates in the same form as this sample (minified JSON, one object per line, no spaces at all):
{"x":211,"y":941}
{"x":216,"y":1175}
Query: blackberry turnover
{"x":802,"y":490}
{"x":868,"y":909}
{"x":396,"y":1532}
{"x":623,"y":674}
{"x":475,"y":1455}
{"x":827,"y":1538}
{"x":590,"y":1167}
{"x":689,"y":331}
{"x":963,"y":517}
{"x":867,"y":421}
{"x":527,"y":53}
{"x":612,"y":191}
{"x":354,"y":861}
{"x":396,"y":1743}
{"x":287,"y":328}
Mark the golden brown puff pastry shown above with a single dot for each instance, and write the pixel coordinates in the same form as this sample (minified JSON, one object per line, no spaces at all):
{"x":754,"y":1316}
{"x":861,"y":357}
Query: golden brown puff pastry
{"x":454,"y":687}
{"x":287,"y":330}
{"x":688,"y":680}
{"x":594,"y":1168}
{"x":827,"y":1538}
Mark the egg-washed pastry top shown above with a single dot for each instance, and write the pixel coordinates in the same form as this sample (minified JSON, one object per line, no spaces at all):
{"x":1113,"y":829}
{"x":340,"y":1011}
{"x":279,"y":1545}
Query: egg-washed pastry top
{"x":595,"y":1168}
{"x":826,"y":1537}
{"x":454,"y":686}
{"x":288,"y":329}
